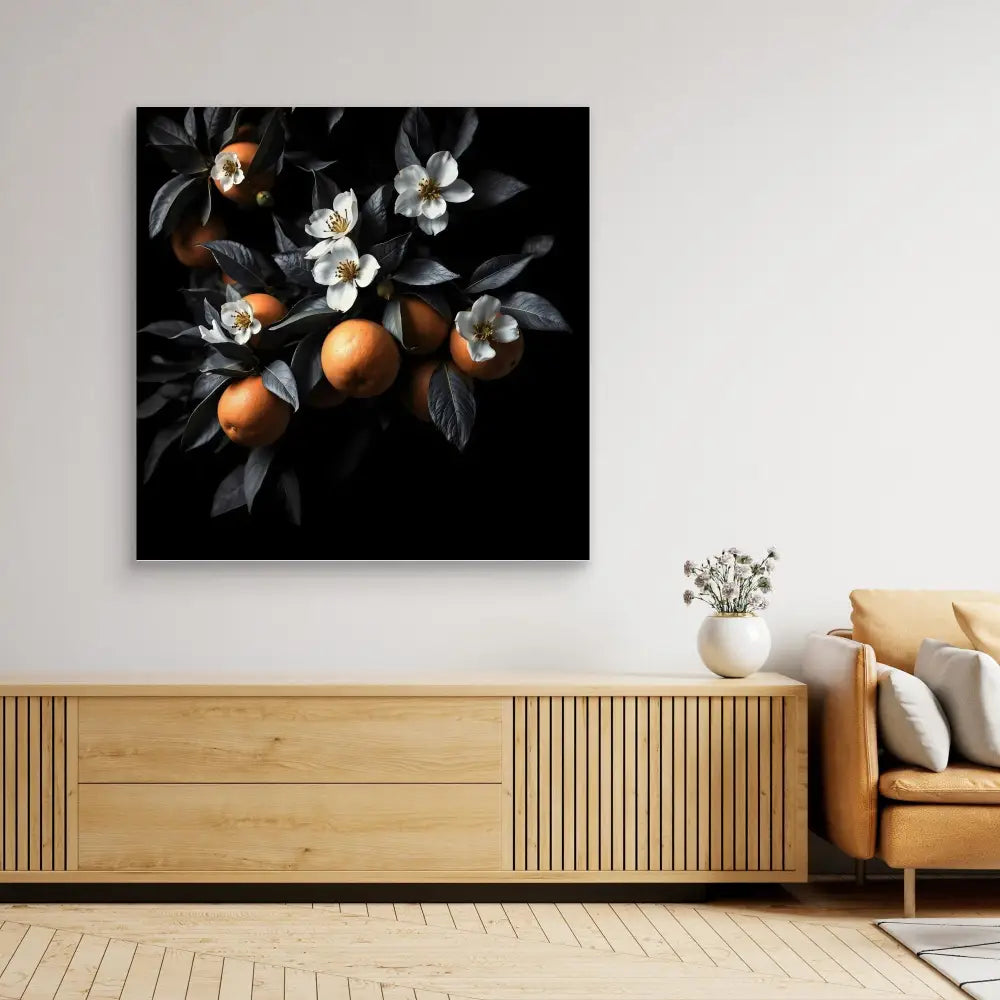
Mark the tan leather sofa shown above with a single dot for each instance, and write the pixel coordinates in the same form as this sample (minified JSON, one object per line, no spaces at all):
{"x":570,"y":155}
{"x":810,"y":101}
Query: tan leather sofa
{"x":865,"y":803}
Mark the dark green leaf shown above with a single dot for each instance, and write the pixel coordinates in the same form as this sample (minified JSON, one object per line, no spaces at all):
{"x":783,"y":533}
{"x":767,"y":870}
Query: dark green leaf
{"x":426,"y":271}
{"x":235,"y":352}
{"x":291,"y":495}
{"x":235,"y":370}
{"x":154,"y":403}
{"x":215,"y":123}
{"x":184,"y":159}
{"x":452,"y":404}
{"x":223,"y":365}
{"x":191,"y":125}
{"x":458,"y":136}
{"x":333,"y":115}
{"x":230,"y":132}
{"x":161,"y":442}
{"x":294,"y":267}
{"x":417,"y":127}
{"x":279,"y":380}
{"x":308,"y":315}
{"x":203,"y":423}
{"x":232,"y":294}
{"x":240,"y":263}
{"x":390,"y":253}
{"x":212,"y":314}
{"x":284,"y":242}
{"x":405,"y":157}
{"x":493,"y":188}
{"x":258,"y":462}
{"x":307,"y":161}
{"x":392,"y":320}
{"x":532,"y":312}
{"x":173,"y":329}
{"x":306,"y":361}
{"x":194,"y":299}
{"x":376,"y":211}
{"x":324,"y":191}
{"x":270,"y":146}
{"x":170,"y":203}
{"x":497,"y":271}
{"x":204,"y":384}
{"x":162,"y":131}
{"x":229,"y":496}
{"x":206,"y":205}
{"x":538,"y":246}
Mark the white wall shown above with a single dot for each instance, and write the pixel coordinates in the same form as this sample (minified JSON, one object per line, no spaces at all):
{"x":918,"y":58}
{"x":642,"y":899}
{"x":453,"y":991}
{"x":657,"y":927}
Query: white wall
{"x":795,"y":321}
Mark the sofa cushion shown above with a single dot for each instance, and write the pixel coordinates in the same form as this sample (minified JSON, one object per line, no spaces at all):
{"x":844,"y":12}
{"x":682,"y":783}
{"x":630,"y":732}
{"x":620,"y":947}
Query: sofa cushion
{"x":980,"y":621}
{"x":895,"y":622}
{"x":960,"y":784}
{"x":911,"y":723}
{"x":967,"y":683}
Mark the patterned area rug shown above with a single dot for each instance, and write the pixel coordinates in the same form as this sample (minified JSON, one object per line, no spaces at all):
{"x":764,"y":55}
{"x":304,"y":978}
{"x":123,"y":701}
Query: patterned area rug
{"x":966,"y":950}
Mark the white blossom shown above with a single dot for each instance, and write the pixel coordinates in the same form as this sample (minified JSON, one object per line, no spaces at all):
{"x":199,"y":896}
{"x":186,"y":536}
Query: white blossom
{"x":484,"y":325}
{"x":344,"y":272}
{"x":423,"y":193}
{"x":239,"y":320}
{"x":330,"y":225}
{"x":227,"y":170}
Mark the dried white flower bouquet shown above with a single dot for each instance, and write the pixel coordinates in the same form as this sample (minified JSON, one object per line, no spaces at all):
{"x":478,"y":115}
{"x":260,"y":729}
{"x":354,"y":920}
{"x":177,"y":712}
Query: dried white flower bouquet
{"x":731,"y":582}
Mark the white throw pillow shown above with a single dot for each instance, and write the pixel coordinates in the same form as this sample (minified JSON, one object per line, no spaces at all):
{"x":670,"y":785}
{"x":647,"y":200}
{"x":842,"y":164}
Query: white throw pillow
{"x":967,"y":683}
{"x":911,"y":722}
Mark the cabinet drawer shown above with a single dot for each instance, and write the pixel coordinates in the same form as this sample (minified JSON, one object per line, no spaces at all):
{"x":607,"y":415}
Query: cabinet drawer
{"x":303,"y":827}
{"x":289,"y":739}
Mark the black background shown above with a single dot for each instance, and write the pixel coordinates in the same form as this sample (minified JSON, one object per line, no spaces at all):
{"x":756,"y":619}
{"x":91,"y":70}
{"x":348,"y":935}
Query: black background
{"x":521,"y":488}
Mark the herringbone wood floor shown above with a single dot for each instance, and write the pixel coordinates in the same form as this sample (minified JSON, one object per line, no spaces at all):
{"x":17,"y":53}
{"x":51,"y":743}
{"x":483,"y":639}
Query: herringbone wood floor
{"x":819,"y":943}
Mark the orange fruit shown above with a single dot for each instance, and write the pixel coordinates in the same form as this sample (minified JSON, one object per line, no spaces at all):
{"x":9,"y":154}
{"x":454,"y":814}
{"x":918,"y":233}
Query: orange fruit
{"x":416,"y":389}
{"x":507,"y":358}
{"x":245,"y":193}
{"x":251,"y":415}
{"x":266,"y":308}
{"x":324,"y":396}
{"x":424,"y":328}
{"x":185,"y":240}
{"x":359,"y":358}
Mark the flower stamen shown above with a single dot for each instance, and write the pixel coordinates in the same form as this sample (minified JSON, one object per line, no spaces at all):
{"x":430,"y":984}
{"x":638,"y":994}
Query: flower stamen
{"x":338,"y":223}
{"x":428,"y":189}
{"x":483,"y":331}
{"x":243,"y":320}
{"x":347,"y":270}
{"x":229,"y":167}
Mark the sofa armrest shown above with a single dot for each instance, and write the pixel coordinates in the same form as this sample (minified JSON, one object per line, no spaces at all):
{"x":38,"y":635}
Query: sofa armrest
{"x":843,"y":746}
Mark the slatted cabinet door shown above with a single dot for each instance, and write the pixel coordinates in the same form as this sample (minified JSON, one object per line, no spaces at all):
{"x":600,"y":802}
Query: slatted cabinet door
{"x":694,"y":785}
{"x":39,"y":788}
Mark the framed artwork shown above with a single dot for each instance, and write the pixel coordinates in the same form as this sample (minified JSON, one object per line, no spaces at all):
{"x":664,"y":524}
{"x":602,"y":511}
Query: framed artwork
{"x":363,"y":333}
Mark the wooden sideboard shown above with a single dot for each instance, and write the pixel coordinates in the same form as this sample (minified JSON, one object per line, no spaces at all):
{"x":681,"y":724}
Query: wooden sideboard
{"x":557,"y":779}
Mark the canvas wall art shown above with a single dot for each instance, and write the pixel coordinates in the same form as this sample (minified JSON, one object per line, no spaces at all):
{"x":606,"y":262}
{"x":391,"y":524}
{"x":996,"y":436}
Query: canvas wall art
{"x":363,"y":333}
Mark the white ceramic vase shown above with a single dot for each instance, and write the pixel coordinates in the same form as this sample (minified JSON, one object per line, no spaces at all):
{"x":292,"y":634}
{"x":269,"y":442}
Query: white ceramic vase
{"x":733,"y":645}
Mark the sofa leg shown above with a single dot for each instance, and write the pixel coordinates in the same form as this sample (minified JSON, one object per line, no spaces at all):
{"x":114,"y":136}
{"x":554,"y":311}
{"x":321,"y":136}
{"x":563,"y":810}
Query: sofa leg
{"x":860,"y":871}
{"x":909,"y":892}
